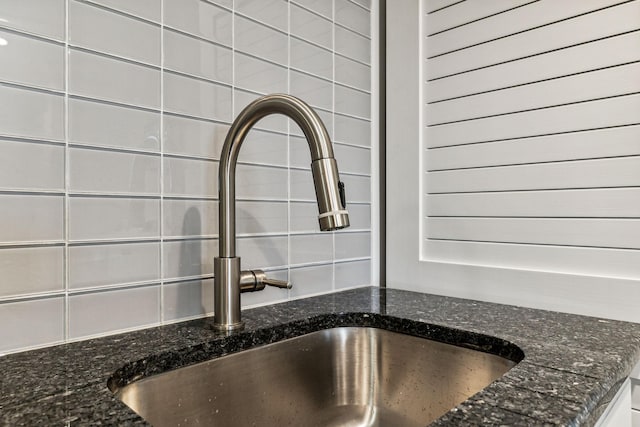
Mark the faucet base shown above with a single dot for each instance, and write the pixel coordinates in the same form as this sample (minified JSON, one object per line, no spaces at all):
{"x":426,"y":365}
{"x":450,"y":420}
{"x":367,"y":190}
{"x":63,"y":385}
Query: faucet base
{"x":226,"y":294}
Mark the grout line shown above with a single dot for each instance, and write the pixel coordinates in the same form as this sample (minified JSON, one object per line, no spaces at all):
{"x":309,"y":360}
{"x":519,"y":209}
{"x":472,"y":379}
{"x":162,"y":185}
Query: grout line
{"x":162,"y":170}
{"x":67,"y":178}
{"x":288,"y":150}
{"x":333,"y":127}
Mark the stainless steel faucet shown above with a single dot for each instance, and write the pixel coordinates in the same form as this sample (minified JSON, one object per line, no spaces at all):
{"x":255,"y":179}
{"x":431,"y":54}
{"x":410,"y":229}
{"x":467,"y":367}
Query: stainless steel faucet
{"x":333,"y":215}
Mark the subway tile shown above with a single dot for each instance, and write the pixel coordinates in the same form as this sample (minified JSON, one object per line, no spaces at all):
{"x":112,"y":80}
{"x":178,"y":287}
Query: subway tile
{"x":269,"y":295}
{"x":29,"y":61}
{"x":310,"y":58}
{"x":261,"y":217}
{"x":188,"y":258}
{"x":352,"y":45}
{"x":301,"y":183}
{"x":185,"y":218}
{"x":274,"y":122}
{"x":200,"y":58}
{"x":199,"y":18}
{"x":106,"y":125}
{"x":306,"y":248}
{"x":262,"y":252}
{"x":353,"y":159}
{"x":363,"y":3}
{"x":351,"y":274}
{"x":31,"y":114}
{"x":97,"y":76}
{"x":187,"y":299}
{"x":261,"y":182}
{"x":98,"y":170}
{"x":99,"y":29}
{"x":353,"y":245}
{"x":95,"y":218}
{"x":311,"y":27}
{"x":31,"y":270}
{"x":352,"y":102}
{"x":314,"y":91}
{"x":304,"y":216}
{"x":311,"y":280}
{"x":190,"y":177}
{"x":353,"y":17}
{"x":193,"y":137}
{"x":31,"y":218}
{"x":265,"y":148}
{"x":259,"y":76}
{"x":196,"y":98}
{"x":42,"y":17}
{"x":359,"y":216}
{"x":323,"y":7}
{"x":357,"y":188}
{"x":299,"y":153}
{"x":352,"y":130}
{"x":352,"y":73}
{"x":112,"y":264}
{"x":261,"y":41}
{"x":100,"y":312}
{"x":146,"y":9}
{"x":270,"y":12}
{"x":31,"y":166}
{"x":42,"y":318}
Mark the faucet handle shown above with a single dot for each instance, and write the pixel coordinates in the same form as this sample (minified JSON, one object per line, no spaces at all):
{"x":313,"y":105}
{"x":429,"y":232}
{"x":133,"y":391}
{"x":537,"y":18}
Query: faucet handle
{"x":256,"y":280}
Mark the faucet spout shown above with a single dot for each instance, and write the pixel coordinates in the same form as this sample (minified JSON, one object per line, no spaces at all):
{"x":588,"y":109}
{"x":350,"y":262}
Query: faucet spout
{"x":330,"y":194}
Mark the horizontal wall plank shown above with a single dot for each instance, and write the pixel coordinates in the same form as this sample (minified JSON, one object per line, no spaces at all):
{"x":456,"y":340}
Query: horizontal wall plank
{"x":466,"y":12}
{"x":614,"y":81}
{"x":578,"y":30}
{"x":574,"y":117}
{"x":618,"y":263}
{"x":611,"y":142}
{"x":605,"y":233}
{"x":618,"y":172}
{"x":534,"y":14}
{"x":601,"y":203}
{"x":620,"y":49}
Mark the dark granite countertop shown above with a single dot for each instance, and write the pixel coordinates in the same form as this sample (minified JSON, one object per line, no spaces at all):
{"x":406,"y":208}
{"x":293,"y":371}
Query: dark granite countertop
{"x":572,"y":365}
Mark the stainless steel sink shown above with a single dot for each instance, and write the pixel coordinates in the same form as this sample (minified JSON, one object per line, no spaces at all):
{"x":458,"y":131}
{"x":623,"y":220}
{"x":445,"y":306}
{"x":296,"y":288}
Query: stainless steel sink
{"x":346,"y":376}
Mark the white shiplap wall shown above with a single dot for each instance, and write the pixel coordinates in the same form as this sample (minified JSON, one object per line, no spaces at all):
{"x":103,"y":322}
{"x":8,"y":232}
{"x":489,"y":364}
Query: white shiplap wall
{"x":532,"y":135}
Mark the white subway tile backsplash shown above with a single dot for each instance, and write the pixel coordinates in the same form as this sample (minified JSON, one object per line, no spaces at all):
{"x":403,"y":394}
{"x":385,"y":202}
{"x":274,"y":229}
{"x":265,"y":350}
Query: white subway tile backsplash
{"x":42,"y":17}
{"x":44,"y":68}
{"x":189,"y":218}
{"x":97,"y":313}
{"x":31,"y":166}
{"x":364,"y":3}
{"x":31,"y":270}
{"x":101,"y":77}
{"x":259,"y":40}
{"x":106,"y":125}
{"x":113,"y":263}
{"x":47,"y":314}
{"x":200,"y":58}
{"x":353,"y":273}
{"x":310,"y":58}
{"x":187,"y":299}
{"x":197,"y":98}
{"x":352,"y":45}
{"x":316,"y":92}
{"x":199,"y":18}
{"x":109,"y":218}
{"x":311,"y":280}
{"x":271,"y":12}
{"x":307,"y":248}
{"x":188,"y":258}
{"x":311,"y":27}
{"x":353,"y":17}
{"x":190,"y":177}
{"x":103,"y":171}
{"x":95,"y":28}
{"x":31,"y":114}
{"x":260,"y":76}
{"x":353,"y":245}
{"x":146,"y":9}
{"x":109,"y":144}
{"x":31,"y":218}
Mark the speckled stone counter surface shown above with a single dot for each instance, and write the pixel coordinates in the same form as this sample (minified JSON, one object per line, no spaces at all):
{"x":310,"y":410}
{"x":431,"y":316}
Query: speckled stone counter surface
{"x":572,"y":365}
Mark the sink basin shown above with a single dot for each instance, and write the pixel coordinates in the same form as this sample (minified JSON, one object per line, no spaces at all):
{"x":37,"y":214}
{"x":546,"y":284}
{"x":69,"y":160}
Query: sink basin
{"x":349,"y":376}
